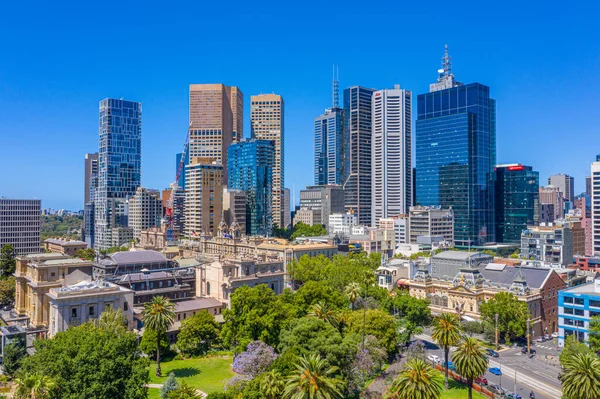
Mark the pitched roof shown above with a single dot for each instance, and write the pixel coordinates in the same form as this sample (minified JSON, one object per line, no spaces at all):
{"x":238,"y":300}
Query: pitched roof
{"x":534,"y":276}
{"x":196,"y":304}
{"x":141,"y":256}
{"x":134,"y":277}
{"x":459,"y":255}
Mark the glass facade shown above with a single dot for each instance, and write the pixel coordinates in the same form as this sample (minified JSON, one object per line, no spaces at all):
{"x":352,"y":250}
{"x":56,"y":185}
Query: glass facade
{"x":119,"y":165}
{"x":455,"y":154}
{"x":357,"y":187}
{"x":331,"y":161}
{"x":186,"y":162}
{"x":250,"y":168}
{"x":517,"y":190}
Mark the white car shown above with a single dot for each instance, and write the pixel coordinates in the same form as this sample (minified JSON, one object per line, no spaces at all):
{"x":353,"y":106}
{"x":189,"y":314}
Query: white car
{"x":555,"y":335}
{"x":433,"y":358}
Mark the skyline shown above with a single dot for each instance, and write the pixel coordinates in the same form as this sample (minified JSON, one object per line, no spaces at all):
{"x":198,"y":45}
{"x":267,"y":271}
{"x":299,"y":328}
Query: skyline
{"x":542,"y":78}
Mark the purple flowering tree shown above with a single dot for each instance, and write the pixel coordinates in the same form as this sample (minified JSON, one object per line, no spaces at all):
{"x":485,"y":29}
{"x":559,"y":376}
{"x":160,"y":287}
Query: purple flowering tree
{"x":257,"y":357}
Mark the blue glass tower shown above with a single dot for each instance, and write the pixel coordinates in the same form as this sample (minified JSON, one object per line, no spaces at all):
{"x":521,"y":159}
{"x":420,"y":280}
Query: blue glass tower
{"x":456,"y":153}
{"x":250,"y":169}
{"x":330,"y":148}
{"x":186,"y":162}
{"x":119,"y":165}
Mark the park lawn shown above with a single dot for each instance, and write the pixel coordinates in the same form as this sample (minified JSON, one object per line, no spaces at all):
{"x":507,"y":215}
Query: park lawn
{"x":153,"y":393}
{"x":459,"y":391}
{"x":209,"y":374}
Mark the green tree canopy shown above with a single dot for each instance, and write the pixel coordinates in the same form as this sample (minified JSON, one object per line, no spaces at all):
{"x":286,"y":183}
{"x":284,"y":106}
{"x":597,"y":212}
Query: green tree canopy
{"x":13,"y":357}
{"x":571,"y":348}
{"x":380,"y":324}
{"x":594,"y":338}
{"x":88,"y":362}
{"x":417,"y":380}
{"x":581,"y":378}
{"x":314,"y":291}
{"x":170,"y":384}
{"x":184,"y":392}
{"x":197,"y":334}
{"x":512,"y":314}
{"x":158,"y":316}
{"x":313,"y":379}
{"x":8,"y":260}
{"x":88,"y":254}
{"x":149,"y":341}
{"x":413,"y":312}
{"x":446,"y":333}
{"x":7,"y":291}
{"x":304,"y":230}
{"x":470,"y":361}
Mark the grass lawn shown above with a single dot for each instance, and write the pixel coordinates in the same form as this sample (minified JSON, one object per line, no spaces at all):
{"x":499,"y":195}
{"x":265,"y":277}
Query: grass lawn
{"x":153,"y":393}
{"x":459,"y":391}
{"x":207,"y":374}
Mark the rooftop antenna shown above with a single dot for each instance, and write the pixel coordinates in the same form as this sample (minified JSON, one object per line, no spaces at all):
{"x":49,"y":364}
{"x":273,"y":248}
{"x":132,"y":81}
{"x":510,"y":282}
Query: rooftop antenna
{"x":335,"y":87}
{"x":446,"y":63}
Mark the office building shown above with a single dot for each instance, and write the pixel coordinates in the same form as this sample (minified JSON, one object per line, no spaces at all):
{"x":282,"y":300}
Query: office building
{"x":342,"y":223}
{"x":216,"y":120}
{"x":391,"y":149}
{"x":186,"y":161}
{"x":251,"y":171}
{"x":595,"y":205}
{"x":287,"y":214}
{"x":331,"y":144}
{"x":456,"y":152}
{"x":266,"y":120}
{"x":546,"y":214}
{"x":583,"y":208}
{"x":320,"y":202}
{"x":576,"y":306}
{"x":588,"y":185}
{"x":234,"y":208}
{"x":566,"y":185}
{"x":552,"y":245}
{"x":119,"y":165}
{"x":121,"y":236}
{"x":517,"y":201}
{"x":357,"y":187}
{"x":374,"y":240}
{"x":399,"y":224}
{"x":431,"y":221}
{"x":145,"y":210}
{"x":90,"y":182}
{"x":203,"y":206}
{"x":20,"y":224}
{"x":553,"y":195}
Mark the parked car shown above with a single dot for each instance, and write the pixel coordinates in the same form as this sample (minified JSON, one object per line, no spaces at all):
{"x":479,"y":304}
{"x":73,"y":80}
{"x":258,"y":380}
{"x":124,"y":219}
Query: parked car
{"x":497,"y":389}
{"x":492,"y":353}
{"x":433,"y":358}
{"x":547,"y":337}
{"x":495,"y":371}
{"x":450,"y":366}
{"x":481,"y":380}
{"x":524,"y":350}
{"x":554,"y":335}
{"x":513,"y":395}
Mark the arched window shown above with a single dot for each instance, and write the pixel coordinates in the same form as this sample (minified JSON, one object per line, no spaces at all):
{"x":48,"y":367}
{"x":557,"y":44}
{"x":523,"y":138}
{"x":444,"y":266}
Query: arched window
{"x":445,"y":301}
{"x":207,"y":288}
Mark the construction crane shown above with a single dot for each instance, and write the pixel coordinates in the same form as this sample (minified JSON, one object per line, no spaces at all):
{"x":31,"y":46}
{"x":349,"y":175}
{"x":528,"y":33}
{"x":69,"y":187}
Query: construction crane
{"x":169,"y":219}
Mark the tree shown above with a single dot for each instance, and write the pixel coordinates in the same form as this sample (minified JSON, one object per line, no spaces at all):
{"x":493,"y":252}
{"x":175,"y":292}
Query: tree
{"x":304,"y":230}
{"x":572,"y":347}
{"x":13,"y":357}
{"x":594,"y":334}
{"x":148,"y":343}
{"x":352,"y":291}
{"x":470,"y":361}
{"x":197,"y":334}
{"x":413,"y":312}
{"x":581,"y":377}
{"x":272,"y":385}
{"x":7,"y":291}
{"x":8,"y":260}
{"x":512,"y":314}
{"x":159,"y":315}
{"x":257,"y":357}
{"x":472,"y":327}
{"x":317,"y":291}
{"x":378,"y":323}
{"x":35,"y":386}
{"x":417,"y":380}
{"x":323,"y":311}
{"x":446,"y":333}
{"x":184,"y":392}
{"x":112,"y":320}
{"x":88,"y":362}
{"x":87,"y":254}
{"x":170,"y":384}
{"x":313,"y":379}
{"x":416,"y":350}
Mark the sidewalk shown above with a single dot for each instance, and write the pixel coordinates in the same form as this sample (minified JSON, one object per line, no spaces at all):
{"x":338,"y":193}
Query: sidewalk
{"x":158,"y":386}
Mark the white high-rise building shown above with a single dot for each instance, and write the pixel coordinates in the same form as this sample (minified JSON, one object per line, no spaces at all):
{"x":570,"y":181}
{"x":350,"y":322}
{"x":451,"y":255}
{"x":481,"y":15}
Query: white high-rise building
{"x":145,"y":210}
{"x":391,"y":150}
{"x":20,"y":225}
{"x":595,"y":187}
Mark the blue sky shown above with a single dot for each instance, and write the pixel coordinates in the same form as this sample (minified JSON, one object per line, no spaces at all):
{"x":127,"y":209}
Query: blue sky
{"x":59,"y":59}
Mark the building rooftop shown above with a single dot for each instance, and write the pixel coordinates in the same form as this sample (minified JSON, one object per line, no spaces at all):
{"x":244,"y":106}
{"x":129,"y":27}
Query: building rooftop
{"x":132,"y":257}
{"x":69,"y":261}
{"x":135,"y":277}
{"x":589,"y":288}
{"x":196,"y":304}
{"x":85,"y":288}
{"x":458,"y":255}
{"x":191,"y":262}
{"x":44,"y":256}
{"x":535,"y":277}
{"x":63,"y":242}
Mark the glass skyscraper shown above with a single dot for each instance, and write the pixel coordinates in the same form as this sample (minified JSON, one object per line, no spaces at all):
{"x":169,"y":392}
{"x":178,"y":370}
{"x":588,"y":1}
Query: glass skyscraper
{"x":331,"y":162}
{"x":186,"y":162}
{"x":517,"y":190}
{"x":456,"y":152}
{"x":250,"y":168}
{"x":119,"y":165}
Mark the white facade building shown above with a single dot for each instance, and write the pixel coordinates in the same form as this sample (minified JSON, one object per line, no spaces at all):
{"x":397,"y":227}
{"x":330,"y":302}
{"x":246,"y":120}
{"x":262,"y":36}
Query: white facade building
{"x":341,"y":223}
{"x":145,"y":210}
{"x":431,"y":221}
{"x":391,"y":150}
{"x":595,"y":180}
{"x":400,"y":226}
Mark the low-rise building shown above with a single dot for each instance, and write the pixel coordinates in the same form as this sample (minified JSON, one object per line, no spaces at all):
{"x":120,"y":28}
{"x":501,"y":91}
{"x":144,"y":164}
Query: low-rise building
{"x":399,"y":224}
{"x":64,"y":246}
{"x":376,"y":241}
{"x":79,"y":303}
{"x":587,"y":263}
{"x":393,"y":274}
{"x":127,"y":262}
{"x":448,"y":264}
{"x":431,"y":221}
{"x":177,"y":285}
{"x":549,"y":244}
{"x":121,"y":236}
{"x":307,"y":216}
{"x":576,"y":306}
{"x":341,"y":223}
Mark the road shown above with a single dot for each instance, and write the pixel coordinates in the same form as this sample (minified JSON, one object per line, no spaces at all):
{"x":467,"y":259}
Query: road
{"x":527,"y":374}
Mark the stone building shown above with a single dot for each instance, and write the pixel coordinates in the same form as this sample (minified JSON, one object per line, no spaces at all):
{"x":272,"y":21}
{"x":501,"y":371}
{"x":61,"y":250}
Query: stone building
{"x":63,"y":246}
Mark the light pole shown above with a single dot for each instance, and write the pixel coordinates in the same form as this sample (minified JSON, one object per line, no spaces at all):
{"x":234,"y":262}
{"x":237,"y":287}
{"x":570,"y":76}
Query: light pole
{"x":496,"y":318}
{"x":528,"y":339}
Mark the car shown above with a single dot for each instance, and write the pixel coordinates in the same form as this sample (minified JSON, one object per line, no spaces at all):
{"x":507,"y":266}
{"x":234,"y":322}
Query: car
{"x":554,"y":335}
{"x":524,"y":350}
{"x":495,"y":371}
{"x":433,"y":358}
{"x":492,"y":353}
{"x":540,"y":339}
{"x":481,"y":380}
{"x":512,"y":395}
{"x":451,"y":366}
{"x":547,"y":337}
{"x":494,"y":388}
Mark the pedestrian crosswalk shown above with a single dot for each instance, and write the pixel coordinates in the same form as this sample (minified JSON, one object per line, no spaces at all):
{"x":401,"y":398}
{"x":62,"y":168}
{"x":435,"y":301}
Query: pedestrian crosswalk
{"x":549,"y":347}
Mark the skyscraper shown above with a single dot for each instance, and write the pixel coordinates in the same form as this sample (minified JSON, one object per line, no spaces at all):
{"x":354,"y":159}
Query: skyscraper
{"x":595,"y":181}
{"x":553,"y":195}
{"x":357,"y":187}
{"x":266,"y":119}
{"x":119,"y":165}
{"x":181,"y":182}
{"x":566,"y":185}
{"x":287,"y":214}
{"x":456,"y":152}
{"x":203,"y":196}
{"x":145,"y":210}
{"x":331,"y":160}
{"x":90,"y":183}
{"x":217,"y":120}
{"x":391,"y":149}
{"x":517,"y":201}
{"x":20,"y":225}
{"x":251,"y":171}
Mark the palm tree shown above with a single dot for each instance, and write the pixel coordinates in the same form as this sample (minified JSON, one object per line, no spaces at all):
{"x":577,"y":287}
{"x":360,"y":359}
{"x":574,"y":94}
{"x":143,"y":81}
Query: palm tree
{"x":272,"y":385}
{"x":323,"y":311}
{"x":313,"y":379}
{"x":470,"y":361}
{"x":352,"y":291}
{"x":446,"y":333}
{"x":581,"y":376}
{"x":158,"y":316}
{"x":417,"y":380}
{"x":35,"y":386}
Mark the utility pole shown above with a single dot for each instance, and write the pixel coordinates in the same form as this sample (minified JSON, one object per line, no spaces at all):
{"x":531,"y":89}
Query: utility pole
{"x":528,"y":338}
{"x":496,"y":318}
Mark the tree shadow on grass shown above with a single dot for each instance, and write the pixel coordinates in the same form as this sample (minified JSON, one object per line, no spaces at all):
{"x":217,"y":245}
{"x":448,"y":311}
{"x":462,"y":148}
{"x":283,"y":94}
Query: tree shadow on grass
{"x":185,"y":372}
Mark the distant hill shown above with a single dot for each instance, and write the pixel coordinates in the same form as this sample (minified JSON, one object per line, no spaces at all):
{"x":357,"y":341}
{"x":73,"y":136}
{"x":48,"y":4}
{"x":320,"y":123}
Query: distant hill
{"x":61,"y":226}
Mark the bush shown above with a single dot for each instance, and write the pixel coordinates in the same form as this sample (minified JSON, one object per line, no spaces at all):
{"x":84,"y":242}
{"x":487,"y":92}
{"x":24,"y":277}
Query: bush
{"x":472,"y":327}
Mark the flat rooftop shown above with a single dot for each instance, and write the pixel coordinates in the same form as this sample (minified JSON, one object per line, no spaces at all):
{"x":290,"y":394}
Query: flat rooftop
{"x":588,"y":288}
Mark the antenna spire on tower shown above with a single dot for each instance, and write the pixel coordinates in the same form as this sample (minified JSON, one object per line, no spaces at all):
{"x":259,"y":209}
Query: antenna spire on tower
{"x":335,"y":88}
{"x":446,"y":62}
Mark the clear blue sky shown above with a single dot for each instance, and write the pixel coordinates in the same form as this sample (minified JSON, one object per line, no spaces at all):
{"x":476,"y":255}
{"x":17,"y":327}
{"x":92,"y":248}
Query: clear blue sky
{"x":59,"y":59}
